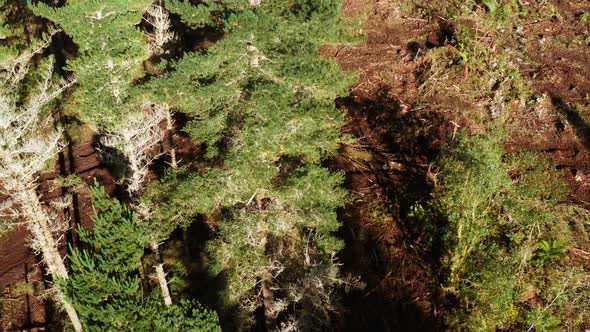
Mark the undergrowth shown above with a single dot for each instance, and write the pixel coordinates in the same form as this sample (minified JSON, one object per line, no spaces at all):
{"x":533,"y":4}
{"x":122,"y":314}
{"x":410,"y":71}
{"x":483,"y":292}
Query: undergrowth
{"x":510,"y":226}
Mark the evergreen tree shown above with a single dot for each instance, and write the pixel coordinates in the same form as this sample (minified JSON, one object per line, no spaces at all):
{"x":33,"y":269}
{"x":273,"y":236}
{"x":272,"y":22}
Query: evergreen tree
{"x":105,"y":286}
{"x":111,"y":54}
{"x":262,"y":101}
{"x":11,"y":27}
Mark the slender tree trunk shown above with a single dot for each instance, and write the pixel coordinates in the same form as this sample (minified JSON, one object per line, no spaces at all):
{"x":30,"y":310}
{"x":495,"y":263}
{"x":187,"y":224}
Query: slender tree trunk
{"x":170,"y":129}
{"x":138,"y":150}
{"x":39,"y":226}
{"x":71,"y":311}
{"x":161,"y":274}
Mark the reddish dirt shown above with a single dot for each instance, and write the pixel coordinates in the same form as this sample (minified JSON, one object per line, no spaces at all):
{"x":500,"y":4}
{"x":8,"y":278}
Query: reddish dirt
{"x":556,"y":122}
{"x":559,"y":52}
{"x":389,"y":166}
{"x":15,"y":256}
{"x":563,"y":137}
{"x":398,"y":265}
{"x":395,"y":145}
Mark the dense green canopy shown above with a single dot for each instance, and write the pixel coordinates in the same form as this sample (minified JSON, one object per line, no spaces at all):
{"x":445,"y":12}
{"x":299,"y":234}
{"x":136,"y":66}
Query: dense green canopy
{"x":105,"y":285}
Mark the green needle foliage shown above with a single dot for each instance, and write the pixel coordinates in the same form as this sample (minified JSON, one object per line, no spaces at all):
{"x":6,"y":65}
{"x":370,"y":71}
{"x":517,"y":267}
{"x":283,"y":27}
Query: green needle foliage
{"x":111,"y":51}
{"x":105,"y":286}
{"x":11,"y":28}
{"x":206,"y":13}
{"x":11,"y":43}
{"x":5,"y":9}
{"x":262,"y":104}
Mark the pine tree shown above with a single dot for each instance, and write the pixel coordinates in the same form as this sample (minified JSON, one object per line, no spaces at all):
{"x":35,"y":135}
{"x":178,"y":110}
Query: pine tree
{"x":112,"y":55}
{"x":262,"y":102}
{"x":11,"y":27}
{"x":105,"y":286}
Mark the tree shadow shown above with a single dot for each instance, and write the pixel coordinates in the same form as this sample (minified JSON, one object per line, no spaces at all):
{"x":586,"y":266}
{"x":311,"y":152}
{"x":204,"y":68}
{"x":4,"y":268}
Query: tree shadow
{"x":202,"y":285}
{"x":395,"y":255}
{"x":581,"y":127}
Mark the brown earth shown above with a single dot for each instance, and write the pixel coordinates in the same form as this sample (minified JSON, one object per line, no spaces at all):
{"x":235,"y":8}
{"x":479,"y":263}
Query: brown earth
{"x":390,"y":165}
{"x":388,"y":172}
{"x":560,"y":59}
{"x":556,"y":122}
{"x":17,"y":260}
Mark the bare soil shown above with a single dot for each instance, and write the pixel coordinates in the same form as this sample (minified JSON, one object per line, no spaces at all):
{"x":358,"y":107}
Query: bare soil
{"x":388,"y":167}
{"x":20,"y":267}
{"x":556,"y":122}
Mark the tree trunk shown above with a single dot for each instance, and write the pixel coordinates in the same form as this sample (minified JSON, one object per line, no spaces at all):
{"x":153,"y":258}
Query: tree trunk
{"x":159,"y":263}
{"x":161,"y":275}
{"x":71,"y":311}
{"x":38,"y":224}
{"x":170,"y":128}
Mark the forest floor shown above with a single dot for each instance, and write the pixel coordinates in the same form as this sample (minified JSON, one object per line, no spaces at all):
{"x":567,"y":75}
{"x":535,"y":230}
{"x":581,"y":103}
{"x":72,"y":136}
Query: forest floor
{"x":401,"y":122}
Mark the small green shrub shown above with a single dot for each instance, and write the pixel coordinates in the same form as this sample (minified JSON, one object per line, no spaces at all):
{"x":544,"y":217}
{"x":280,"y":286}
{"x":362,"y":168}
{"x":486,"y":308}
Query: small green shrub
{"x":549,"y":251}
{"x":499,"y":208}
{"x":543,"y":321}
{"x":491,"y":5}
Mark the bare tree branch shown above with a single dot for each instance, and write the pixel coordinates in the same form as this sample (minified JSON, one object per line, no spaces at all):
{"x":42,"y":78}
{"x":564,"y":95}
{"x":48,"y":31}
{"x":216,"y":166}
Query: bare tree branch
{"x":27,"y":143}
{"x":159,"y":19}
{"x":136,"y":139}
